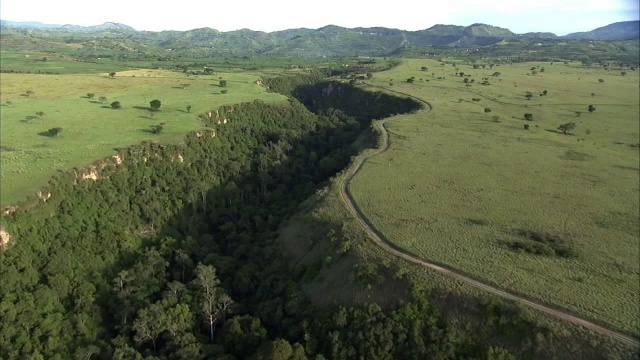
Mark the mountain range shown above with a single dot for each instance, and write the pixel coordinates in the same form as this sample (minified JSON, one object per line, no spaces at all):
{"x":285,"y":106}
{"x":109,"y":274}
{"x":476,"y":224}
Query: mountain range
{"x":330,"y":40}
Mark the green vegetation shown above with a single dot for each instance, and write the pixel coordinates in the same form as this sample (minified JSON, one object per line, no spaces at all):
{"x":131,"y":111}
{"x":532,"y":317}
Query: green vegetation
{"x":222,"y":234}
{"x":155,"y":105}
{"x":455,"y":188}
{"x":92,"y":132}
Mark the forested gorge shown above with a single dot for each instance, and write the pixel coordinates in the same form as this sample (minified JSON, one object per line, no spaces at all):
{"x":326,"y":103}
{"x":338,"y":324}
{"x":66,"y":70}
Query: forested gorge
{"x":171,"y":252}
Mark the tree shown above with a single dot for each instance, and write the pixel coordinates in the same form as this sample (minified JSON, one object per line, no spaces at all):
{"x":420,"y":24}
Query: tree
{"x":601,"y":81}
{"x":29,"y":93}
{"x":90,"y":95}
{"x":112,"y":74}
{"x":567,"y":128}
{"x":155,"y":105}
{"x":424,"y":68}
{"x":116,"y":105}
{"x":410,"y":80}
{"x":223,"y":83}
{"x":188,"y":108}
{"x":102,"y":99}
{"x":528,"y":95}
{"x":278,"y":349}
{"x":623,"y":73}
{"x":591,"y":108}
{"x":40,"y":114}
{"x":487,"y":110}
{"x":224,"y":91}
{"x":528,"y":116}
{"x":497,"y":73}
{"x":545,"y":92}
{"x":54,"y":131}
{"x":157,"y":129}
{"x":242,"y":335}
{"x":208,"y":280}
{"x":149,"y":324}
{"x":369,"y":75}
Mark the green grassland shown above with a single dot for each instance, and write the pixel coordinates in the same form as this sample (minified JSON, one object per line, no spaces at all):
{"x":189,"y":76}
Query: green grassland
{"x":92,"y":130}
{"x":461,"y":188}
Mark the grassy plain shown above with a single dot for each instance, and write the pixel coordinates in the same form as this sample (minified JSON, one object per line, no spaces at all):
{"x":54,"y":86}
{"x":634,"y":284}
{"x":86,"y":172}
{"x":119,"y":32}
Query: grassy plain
{"x":457,"y":187}
{"x":91,"y":129}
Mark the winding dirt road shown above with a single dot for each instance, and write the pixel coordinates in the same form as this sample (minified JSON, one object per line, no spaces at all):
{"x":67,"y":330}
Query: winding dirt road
{"x":391,"y":248}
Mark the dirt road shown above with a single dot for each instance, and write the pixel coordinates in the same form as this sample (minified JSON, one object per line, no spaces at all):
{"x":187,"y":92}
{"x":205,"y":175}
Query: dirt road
{"x":389,"y":247}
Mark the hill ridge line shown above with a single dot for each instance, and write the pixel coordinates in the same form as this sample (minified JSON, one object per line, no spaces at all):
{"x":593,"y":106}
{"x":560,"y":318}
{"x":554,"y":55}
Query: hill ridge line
{"x":380,"y":240}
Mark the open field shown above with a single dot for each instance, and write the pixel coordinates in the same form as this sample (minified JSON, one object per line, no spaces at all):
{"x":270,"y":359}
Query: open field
{"x":91,"y":129}
{"x":461,"y":188}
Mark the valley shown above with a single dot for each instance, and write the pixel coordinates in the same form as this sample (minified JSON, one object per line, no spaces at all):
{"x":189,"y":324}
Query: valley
{"x":319,"y":194}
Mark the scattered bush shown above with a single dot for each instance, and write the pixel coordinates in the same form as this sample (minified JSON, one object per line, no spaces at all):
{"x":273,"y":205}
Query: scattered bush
{"x":543,"y":244}
{"x":528,"y":116}
{"x":116,"y":105}
{"x":54,"y":131}
{"x":567,"y":128}
{"x":155,"y":105}
{"x":157,"y":129}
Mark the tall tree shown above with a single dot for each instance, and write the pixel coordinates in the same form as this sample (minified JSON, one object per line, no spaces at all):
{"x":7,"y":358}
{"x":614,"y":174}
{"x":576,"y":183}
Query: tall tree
{"x":208,"y":280}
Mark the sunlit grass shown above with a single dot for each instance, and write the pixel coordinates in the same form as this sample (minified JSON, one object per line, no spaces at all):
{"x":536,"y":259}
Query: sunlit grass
{"x":91,"y":129}
{"x":458,"y":184}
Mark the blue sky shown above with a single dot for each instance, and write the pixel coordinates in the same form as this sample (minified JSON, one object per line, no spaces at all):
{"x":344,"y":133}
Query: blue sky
{"x":557,"y":16}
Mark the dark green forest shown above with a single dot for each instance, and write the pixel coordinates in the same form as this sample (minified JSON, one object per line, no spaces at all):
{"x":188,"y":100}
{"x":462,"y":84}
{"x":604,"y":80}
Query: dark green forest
{"x":173,"y":253}
{"x":161,"y":258}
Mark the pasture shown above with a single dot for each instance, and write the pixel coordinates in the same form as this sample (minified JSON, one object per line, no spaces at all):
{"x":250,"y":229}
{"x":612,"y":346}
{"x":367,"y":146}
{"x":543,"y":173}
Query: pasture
{"x":91,"y":129}
{"x":537,"y":212}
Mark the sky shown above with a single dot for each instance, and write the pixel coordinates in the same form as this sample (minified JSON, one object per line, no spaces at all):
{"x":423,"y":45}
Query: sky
{"x":520,"y":16}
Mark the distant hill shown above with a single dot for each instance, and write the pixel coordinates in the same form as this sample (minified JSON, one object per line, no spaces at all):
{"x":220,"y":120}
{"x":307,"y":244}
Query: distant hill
{"x":330,"y":40}
{"x":539,"y":35}
{"x":616,"y":31}
{"x":27,"y":24}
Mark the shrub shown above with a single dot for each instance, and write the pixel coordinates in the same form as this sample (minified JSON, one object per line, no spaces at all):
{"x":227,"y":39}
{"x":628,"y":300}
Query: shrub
{"x":567,"y":128}
{"x":528,"y":116}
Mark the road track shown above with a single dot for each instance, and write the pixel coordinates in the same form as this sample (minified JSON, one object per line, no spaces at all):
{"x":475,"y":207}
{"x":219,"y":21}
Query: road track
{"x":393,"y":249}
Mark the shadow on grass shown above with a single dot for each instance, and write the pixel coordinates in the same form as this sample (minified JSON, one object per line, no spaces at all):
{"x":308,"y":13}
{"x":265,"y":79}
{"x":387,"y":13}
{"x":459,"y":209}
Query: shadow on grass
{"x":146,"y":117}
{"x":147,"y":131}
{"x":555,"y":131}
{"x":47,"y":134}
{"x":95,"y":102}
{"x":145,"y":108}
{"x":627,"y":168}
